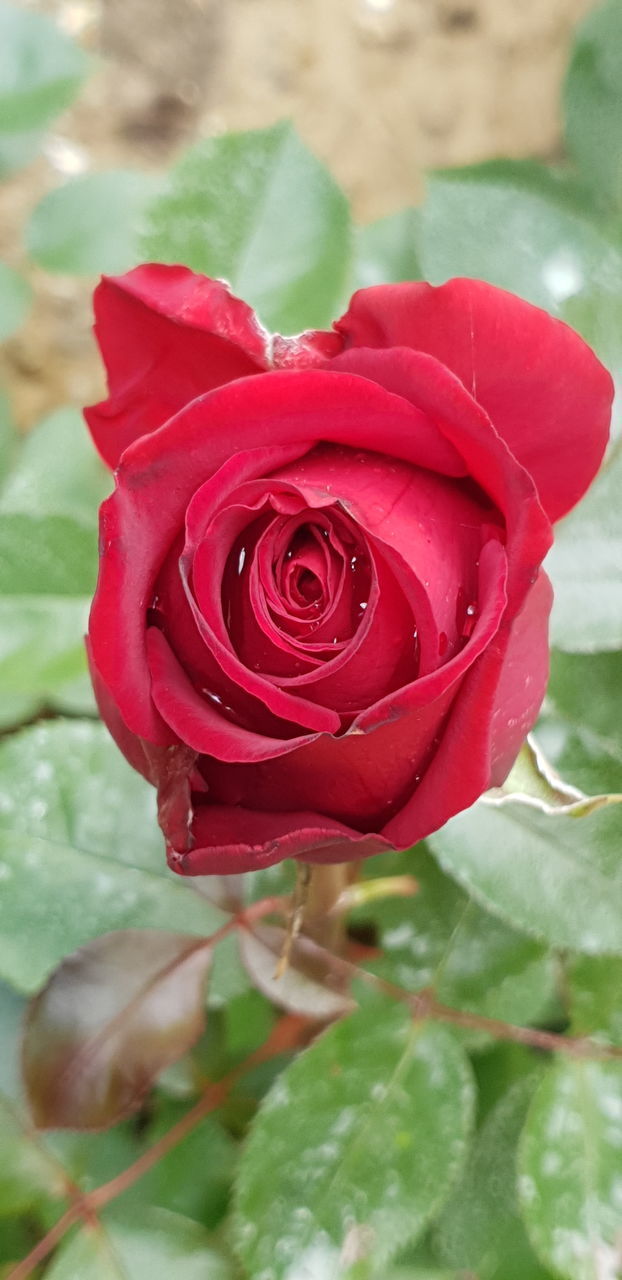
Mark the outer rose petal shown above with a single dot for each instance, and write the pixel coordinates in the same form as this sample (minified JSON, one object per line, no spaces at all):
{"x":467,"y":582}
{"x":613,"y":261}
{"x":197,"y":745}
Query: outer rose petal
{"x":523,"y":680}
{"x":543,"y":388}
{"x":431,"y":387}
{"x":166,"y":336}
{"x":496,"y":707}
{"x":228,"y":840}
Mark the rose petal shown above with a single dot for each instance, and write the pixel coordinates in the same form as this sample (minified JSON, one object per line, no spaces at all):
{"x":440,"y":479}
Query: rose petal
{"x":366,"y":774}
{"x":166,"y":335}
{"x":234,"y":840}
{"x":496,"y":706}
{"x":210,"y":729}
{"x":523,"y":679}
{"x":433,"y":525}
{"x":444,"y":400}
{"x":542,"y":387}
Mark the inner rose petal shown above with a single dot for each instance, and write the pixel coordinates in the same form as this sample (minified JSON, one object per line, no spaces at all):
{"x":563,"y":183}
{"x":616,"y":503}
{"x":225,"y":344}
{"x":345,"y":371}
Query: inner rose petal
{"x":431,"y":528}
{"x":283,"y":579}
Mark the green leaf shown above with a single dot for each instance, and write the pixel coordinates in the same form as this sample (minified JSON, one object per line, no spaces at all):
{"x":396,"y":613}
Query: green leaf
{"x":12,"y":1009}
{"x":556,"y":876}
{"x":560,"y":257}
{"x":112,"y":1017}
{"x":48,"y":567}
{"x":584,"y":565}
{"x":230,"y":211}
{"x":9,"y":438}
{"x":42,"y":655}
{"x":30,"y":1176}
{"x":418,"y":1273}
{"x":597,"y":315}
{"x":40,"y":68}
{"x":549,"y":251}
{"x":387,"y":251}
{"x":80,"y":851}
{"x":196,"y":1176}
{"x":15,"y":299}
{"x":355,"y":1146}
{"x":52,"y":556}
{"x":158,"y":1246}
{"x":441,"y":937}
{"x":92,"y":224}
{"x":17,"y":150}
{"x":532,"y":778}
{"x":480,"y":1227}
{"x":57,"y":472}
{"x":593,"y":101}
{"x":595,"y":996}
{"x":580,"y":727}
{"x":569,"y":1162}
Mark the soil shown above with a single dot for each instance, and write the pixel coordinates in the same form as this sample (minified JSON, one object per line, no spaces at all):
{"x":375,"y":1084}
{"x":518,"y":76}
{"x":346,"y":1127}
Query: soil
{"x":380,"y":90}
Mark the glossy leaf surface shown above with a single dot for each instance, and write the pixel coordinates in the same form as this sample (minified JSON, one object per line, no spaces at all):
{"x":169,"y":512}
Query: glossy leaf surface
{"x":558,"y":877}
{"x":80,"y":851}
{"x":570,"y":1168}
{"x":229,"y":212}
{"x":355,"y":1146}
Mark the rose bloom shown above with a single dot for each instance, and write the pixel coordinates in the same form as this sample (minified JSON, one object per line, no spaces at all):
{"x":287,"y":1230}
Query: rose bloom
{"x":320,"y":626}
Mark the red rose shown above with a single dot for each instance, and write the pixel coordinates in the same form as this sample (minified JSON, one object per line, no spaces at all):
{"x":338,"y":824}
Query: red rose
{"x":320,"y":627}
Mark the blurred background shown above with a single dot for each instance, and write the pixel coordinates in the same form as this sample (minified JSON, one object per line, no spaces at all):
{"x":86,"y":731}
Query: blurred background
{"x":379,"y":89}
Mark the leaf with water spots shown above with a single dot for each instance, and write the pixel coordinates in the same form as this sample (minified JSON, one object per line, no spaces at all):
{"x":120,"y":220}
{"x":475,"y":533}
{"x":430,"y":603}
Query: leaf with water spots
{"x":441,"y":937}
{"x":558,"y":877}
{"x":355,"y":1147}
{"x":570,"y":1169}
{"x":584,"y":567}
{"x":157,"y":1246}
{"x":81,"y":853}
{"x":480,"y":1227}
{"x":580,"y":728}
{"x":595,"y":996}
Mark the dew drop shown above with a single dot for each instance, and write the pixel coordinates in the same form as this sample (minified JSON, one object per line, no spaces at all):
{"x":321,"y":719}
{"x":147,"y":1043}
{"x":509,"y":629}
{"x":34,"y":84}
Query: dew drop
{"x":470,"y":616}
{"x":442,"y":643}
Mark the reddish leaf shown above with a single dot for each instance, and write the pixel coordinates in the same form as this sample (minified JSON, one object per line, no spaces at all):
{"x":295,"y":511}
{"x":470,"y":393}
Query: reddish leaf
{"x":308,"y":986}
{"x":111,"y":1017}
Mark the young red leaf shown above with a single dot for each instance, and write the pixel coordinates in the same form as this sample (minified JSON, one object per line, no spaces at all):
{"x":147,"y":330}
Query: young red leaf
{"x":111,"y":1017}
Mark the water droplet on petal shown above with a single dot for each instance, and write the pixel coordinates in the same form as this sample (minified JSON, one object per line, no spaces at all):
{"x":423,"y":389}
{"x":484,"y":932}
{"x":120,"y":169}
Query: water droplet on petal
{"x":468,"y":625}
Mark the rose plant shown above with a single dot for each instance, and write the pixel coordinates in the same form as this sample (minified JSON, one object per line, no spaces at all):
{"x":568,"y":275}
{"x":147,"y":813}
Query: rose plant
{"x":320,"y":626}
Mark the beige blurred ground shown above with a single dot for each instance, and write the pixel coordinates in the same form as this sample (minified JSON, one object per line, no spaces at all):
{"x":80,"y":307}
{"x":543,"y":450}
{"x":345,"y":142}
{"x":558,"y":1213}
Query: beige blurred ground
{"x":380,"y":89}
